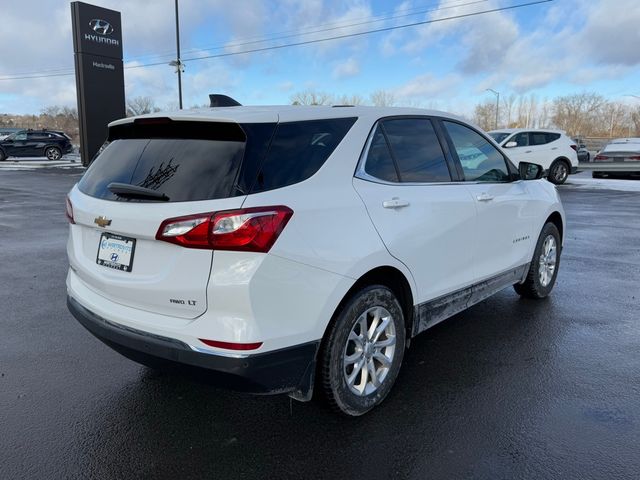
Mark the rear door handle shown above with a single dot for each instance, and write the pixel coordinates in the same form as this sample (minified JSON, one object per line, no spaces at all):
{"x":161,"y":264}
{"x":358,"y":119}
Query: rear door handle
{"x":484,"y":197}
{"x":395,"y":202}
{"x":528,"y":151}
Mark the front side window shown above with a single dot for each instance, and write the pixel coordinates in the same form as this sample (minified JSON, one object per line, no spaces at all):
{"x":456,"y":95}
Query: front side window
{"x":522,"y":139}
{"x":19,"y":136}
{"x":481,"y":161}
{"x":499,"y":136}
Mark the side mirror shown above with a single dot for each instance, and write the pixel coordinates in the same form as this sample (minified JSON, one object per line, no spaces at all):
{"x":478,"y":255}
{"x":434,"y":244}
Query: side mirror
{"x":511,"y":144}
{"x":530,"y":171}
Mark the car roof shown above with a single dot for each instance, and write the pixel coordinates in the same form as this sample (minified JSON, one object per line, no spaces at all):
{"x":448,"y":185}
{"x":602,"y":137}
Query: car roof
{"x":284,"y":113}
{"x":516,"y":130}
{"x":622,"y":145}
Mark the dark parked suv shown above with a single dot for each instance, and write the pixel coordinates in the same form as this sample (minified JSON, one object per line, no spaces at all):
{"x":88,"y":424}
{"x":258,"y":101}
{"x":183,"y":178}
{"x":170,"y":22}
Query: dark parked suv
{"x":35,"y":143}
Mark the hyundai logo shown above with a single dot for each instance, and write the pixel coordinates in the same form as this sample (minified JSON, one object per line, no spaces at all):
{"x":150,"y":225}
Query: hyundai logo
{"x":114,"y":257}
{"x":101,"y":27}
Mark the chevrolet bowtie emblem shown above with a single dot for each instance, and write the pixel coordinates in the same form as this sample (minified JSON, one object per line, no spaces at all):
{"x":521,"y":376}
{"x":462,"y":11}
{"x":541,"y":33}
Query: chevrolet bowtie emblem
{"x":102,"y":221}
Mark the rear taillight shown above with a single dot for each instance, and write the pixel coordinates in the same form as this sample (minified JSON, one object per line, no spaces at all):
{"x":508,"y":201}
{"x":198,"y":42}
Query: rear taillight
{"x":69,"y":210}
{"x":600,"y":158}
{"x":635,"y":157}
{"x":246,"y":229}
{"x":575,"y":147}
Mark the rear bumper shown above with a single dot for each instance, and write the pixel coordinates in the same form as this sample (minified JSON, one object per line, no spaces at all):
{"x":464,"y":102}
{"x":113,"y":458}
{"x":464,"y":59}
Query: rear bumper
{"x":288,"y":370}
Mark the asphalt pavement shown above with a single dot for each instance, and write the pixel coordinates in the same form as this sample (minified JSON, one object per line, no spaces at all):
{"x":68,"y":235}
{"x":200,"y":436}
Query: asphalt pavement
{"x":509,"y":389}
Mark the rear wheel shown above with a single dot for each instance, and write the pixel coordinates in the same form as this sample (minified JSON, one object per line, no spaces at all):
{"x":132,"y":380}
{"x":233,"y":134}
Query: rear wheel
{"x":3,"y":156}
{"x":52,"y":153}
{"x":363,"y":351}
{"x":559,"y":172}
{"x":544,"y":266}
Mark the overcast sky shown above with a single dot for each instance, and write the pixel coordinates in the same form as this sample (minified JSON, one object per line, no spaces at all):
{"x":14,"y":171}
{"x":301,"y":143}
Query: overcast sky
{"x":555,"y":48}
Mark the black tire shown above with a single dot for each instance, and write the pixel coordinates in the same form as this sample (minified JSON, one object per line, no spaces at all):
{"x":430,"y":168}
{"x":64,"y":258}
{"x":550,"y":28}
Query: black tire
{"x":533,"y":286}
{"x":3,"y":156}
{"x":559,"y":172}
{"x":333,"y":364}
{"x":597,"y":175}
{"x":53,"y":153}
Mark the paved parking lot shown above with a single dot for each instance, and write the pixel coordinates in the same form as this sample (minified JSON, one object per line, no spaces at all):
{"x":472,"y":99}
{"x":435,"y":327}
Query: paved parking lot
{"x":508,"y":389}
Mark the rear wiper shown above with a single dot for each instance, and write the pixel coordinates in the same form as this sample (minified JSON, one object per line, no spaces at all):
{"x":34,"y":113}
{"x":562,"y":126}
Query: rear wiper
{"x":127,"y":190}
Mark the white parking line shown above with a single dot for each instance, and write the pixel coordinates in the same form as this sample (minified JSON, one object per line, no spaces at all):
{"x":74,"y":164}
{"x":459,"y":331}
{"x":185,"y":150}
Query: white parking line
{"x":14,"y":164}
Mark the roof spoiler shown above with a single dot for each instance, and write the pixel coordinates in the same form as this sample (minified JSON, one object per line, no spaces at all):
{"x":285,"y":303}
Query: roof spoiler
{"x":219,"y":100}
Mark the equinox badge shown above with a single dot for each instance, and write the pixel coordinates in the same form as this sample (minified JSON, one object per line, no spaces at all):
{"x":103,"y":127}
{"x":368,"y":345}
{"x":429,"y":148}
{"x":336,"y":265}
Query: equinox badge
{"x":102,"y":221}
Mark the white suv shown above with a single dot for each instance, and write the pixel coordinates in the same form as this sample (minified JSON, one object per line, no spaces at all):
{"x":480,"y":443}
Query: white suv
{"x":278,"y":248}
{"x":552,"y":149}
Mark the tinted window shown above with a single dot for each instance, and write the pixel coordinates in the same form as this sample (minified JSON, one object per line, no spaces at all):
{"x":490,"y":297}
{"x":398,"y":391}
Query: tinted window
{"x":185,"y":169}
{"x":416,"y":150}
{"x":481,"y":161}
{"x":499,"y":136}
{"x":298,"y":150}
{"x":522,"y":139}
{"x":537,"y":138}
{"x":552,"y":137}
{"x":20,"y":136}
{"x":379,"y":163}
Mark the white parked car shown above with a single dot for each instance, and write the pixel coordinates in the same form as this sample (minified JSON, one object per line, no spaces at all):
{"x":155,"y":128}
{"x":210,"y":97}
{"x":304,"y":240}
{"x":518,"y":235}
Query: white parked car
{"x":282,"y":248}
{"x":552,"y":149}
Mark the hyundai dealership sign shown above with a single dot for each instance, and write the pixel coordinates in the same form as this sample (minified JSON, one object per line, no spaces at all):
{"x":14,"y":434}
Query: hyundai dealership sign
{"x":97,"y":46}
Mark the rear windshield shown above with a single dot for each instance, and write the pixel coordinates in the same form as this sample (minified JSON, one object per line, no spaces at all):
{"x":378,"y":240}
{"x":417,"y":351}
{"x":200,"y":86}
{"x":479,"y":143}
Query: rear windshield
{"x":191,"y":161}
{"x":187,"y":161}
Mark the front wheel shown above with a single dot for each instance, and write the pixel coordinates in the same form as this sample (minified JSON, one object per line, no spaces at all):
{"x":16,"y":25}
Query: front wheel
{"x":52,"y":153}
{"x":363,"y":351}
{"x":559,"y":172}
{"x":543,"y":270}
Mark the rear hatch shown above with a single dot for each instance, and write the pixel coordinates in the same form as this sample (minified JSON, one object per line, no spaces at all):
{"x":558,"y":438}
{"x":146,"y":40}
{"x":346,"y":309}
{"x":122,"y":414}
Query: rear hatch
{"x":161,"y":169}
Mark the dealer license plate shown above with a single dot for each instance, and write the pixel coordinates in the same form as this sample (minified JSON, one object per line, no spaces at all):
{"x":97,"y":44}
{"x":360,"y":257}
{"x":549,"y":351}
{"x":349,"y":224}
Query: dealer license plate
{"x":116,"y":251}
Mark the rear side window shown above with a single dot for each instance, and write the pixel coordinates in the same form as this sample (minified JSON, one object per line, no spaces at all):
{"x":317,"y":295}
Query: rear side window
{"x":379,"y":162}
{"x":416,"y":150}
{"x":538,"y":138}
{"x":552,"y":137}
{"x":185,"y":162}
{"x":298,"y":150}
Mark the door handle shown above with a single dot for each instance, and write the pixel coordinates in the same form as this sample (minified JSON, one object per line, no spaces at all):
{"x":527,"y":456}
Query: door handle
{"x":528,"y":151}
{"x":395,"y":202}
{"x":484,"y":197}
{"x":554,"y":148}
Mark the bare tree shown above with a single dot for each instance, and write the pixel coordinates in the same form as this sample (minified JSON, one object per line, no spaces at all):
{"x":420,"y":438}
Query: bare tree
{"x":140,"y":106}
{"x":382,"y":98}
{"x":577,"y":113}
{"x":354,"y":99}
{"x":311,"y":97}
{"x":484,"y":115}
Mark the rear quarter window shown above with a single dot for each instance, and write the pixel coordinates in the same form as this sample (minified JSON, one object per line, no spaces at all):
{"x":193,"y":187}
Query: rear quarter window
{"x":298,"y":150}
